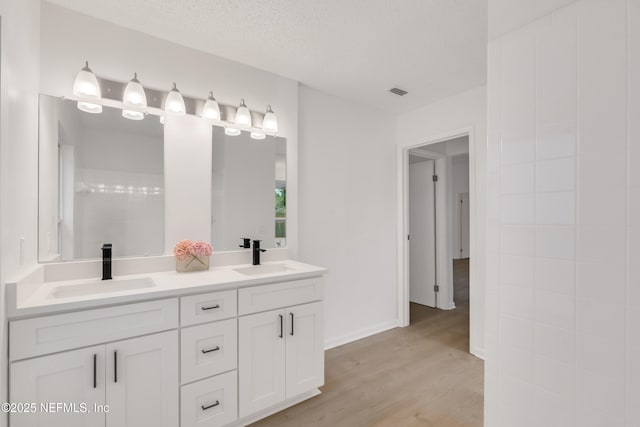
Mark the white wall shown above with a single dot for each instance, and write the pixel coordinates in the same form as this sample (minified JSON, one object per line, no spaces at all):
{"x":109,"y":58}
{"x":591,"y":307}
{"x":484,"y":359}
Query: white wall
{"x":507,"y":15}
{"x":563,"y":331}
{"x":69,"y":38}
{"x":466,"y":111}
{"x":19,"y":69}
{"x":347,"y":211}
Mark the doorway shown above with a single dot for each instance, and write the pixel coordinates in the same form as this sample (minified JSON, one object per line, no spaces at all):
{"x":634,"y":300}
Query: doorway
{"x":437,"y":216}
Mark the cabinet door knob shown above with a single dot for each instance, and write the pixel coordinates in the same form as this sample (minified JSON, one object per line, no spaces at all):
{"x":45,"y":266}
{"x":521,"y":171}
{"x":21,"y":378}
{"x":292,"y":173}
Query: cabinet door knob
{"x":209,"y":350}
{"x":213,"y":405}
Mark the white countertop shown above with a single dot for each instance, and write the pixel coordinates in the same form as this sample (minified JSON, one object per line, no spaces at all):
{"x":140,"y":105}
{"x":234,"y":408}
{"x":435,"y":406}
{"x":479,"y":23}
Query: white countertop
{"x":39,"y":300}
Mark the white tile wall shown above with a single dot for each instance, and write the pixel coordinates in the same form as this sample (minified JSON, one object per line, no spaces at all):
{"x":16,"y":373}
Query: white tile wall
{"x":563,"y":128}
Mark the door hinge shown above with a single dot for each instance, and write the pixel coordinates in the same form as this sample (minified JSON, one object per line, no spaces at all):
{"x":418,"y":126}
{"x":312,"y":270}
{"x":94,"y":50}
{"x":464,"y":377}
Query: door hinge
{"x":435,"y":178}
{"x":436,"y":288}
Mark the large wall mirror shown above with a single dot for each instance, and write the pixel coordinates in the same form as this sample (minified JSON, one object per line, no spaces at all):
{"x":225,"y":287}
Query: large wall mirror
{"x":101,"y":179}
{"x":249,"y":187}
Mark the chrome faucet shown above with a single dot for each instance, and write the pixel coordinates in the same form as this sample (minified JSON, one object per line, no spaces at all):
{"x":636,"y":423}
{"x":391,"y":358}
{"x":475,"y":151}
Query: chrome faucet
{"x":256,"y":252}
{"x":106,"y":261}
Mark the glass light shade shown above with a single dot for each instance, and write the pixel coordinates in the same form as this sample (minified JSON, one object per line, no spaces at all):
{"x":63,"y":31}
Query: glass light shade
{"x":211,"y":110}
{"x":174,"y":103}
{"x":232,"y":131}
{"x":270,"y":121}
{"x":243,"y":115}
{"x":132,"y":114}
{"x":258,"y":135}
{"x":89,"y":107}
{"x":134,"y":95}
{"x":86,"y":84}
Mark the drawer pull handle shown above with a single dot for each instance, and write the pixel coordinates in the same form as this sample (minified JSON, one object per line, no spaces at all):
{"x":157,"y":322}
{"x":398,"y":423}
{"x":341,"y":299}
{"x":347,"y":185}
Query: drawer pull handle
{"x":213,"y":405}
{"x":95,"y":371}
{"x":216,"y":348}
{"x":211,"y":307}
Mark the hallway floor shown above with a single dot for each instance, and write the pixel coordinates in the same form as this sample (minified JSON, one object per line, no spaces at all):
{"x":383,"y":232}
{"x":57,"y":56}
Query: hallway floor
{"x":421,"y":375}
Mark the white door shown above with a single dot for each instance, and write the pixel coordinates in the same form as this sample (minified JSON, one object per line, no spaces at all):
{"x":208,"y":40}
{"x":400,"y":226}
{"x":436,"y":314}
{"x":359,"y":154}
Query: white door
{"x":261,"y":363}
{"x":422,"y":267}
{"x":142,"y":381}
{"x":464,"y":225}
{"x":305,"y":348}
{"x":73,"y":377}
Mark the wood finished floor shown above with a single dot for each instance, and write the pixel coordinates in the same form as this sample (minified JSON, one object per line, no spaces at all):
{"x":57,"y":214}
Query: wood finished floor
{"x":421,"y":375}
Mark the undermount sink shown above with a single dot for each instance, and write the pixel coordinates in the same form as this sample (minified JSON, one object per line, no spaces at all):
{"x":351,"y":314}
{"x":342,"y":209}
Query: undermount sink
{"x":256,"y":270}
{"x":101,"y":287}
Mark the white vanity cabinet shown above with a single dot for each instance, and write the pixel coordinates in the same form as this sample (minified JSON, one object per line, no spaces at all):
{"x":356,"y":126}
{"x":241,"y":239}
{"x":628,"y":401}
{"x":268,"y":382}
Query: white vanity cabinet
{"x":212,"y":359}
{"x":137,"y":378}
{"x":281,"y":351}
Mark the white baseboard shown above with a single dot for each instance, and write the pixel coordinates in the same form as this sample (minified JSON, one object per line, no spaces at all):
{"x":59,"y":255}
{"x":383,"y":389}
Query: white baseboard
{"x":362,"y":333}
{"x":477,"y":352}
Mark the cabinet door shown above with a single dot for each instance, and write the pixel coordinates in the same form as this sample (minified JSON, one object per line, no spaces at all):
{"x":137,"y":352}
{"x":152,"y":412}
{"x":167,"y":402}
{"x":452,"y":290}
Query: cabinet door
{"x":74,"y":378}
{"x":142,"y":381}
{"x":305,"y":348}
{"x":261,"y":360}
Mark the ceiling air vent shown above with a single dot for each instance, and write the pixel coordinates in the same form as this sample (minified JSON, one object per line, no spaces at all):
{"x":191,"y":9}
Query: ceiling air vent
{"x":398,"y":91}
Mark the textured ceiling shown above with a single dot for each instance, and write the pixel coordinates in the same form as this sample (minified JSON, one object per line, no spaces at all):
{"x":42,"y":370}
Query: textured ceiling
{"x":355,"y":49}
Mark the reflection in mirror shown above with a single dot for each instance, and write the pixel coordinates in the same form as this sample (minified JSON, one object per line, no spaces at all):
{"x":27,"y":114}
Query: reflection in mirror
{"x":249,"y":187}
{"x":101,"y":180}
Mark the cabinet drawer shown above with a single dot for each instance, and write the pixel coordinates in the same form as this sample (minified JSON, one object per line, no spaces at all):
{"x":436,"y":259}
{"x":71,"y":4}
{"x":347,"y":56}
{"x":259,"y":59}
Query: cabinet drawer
{"x":209,"y":349}
{"x":210,"y":403}
{"x":277,"y":295}
{"x":203,"y":308}
{"x":50,"y":334}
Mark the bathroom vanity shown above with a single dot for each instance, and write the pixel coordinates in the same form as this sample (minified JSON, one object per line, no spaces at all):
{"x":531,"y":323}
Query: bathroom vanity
{"x":215,"y":348}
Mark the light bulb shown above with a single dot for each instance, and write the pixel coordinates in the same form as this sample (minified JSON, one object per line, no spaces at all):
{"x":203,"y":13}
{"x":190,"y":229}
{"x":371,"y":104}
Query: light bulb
{"x":211,"y":110}
{"x":134,"y":95}
{"x":258,"y":135}
{"x":86,"y":84}
{"x":232,"y":131}
{"x":270,"y":121}
{"x":174,"y":104}
{"x":132,"y":114}
{"x":89,"y":107}
{"x":243,"y":115}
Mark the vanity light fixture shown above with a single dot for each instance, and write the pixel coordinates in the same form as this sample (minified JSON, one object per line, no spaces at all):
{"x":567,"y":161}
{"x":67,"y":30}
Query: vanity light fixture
{"x":258,"y":135}
{"x":87,"y":88}
{"x":134,"y":99}
{"x":232,"y":131}
{"x":211,"y":110}
{"x":243,"y":115}
{"x":270,"y":121}
{"x":174,"y":104}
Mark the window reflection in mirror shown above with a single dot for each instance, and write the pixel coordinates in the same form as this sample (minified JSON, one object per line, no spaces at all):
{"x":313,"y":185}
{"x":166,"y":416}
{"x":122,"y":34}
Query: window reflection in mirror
{"x":249,"y":187}
{"x":101,"y":179}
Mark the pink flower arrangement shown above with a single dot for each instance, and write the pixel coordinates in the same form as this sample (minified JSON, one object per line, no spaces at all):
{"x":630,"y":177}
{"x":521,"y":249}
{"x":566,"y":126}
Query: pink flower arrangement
{"x":201,"y":248}
{"x":186,"y":252}
{"x":183,"y":249}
